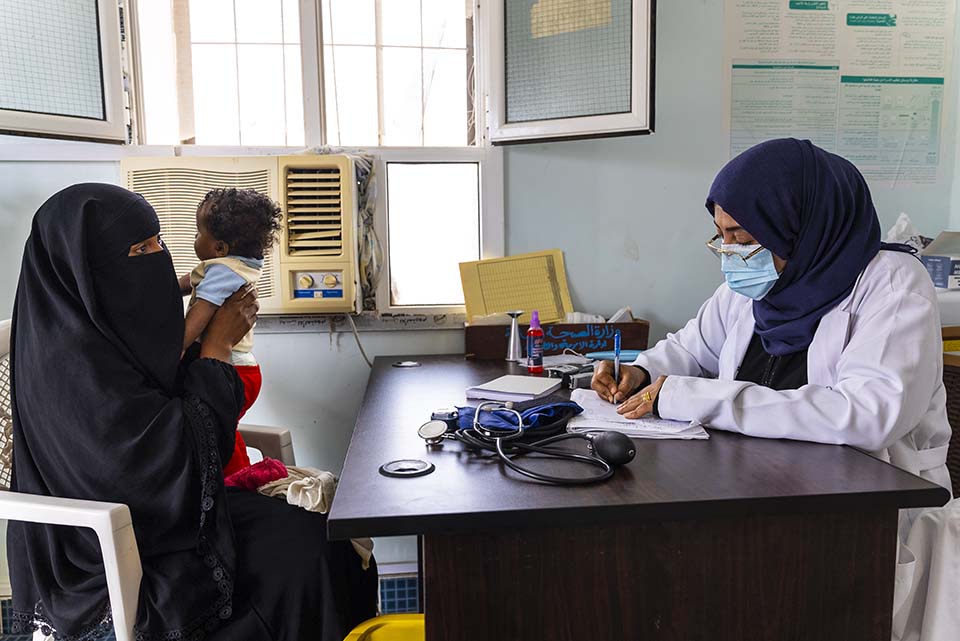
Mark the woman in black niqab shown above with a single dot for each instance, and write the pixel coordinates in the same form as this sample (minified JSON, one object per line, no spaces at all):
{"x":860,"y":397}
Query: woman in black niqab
{"x":103,"y":409}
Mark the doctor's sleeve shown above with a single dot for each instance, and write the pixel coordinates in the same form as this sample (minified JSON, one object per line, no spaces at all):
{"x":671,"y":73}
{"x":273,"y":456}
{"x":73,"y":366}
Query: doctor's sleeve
{"x":885,"y":379}
{"x":695,"y":349}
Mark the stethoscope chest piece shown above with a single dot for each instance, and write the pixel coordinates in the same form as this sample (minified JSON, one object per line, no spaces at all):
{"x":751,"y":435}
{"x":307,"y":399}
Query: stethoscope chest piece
{"x":432,"y":431}
{"x":406,"y":468}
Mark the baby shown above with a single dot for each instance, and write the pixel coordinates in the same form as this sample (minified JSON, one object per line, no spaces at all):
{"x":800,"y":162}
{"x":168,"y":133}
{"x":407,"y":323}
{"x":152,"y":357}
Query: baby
{"x":234,"y":229}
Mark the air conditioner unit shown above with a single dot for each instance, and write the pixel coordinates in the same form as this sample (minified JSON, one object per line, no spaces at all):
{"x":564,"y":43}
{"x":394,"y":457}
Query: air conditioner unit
{"x":313,"y":266}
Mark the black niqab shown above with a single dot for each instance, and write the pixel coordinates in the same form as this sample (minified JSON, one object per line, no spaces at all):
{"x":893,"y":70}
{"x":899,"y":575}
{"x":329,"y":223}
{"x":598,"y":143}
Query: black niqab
{"x":95,"y":351}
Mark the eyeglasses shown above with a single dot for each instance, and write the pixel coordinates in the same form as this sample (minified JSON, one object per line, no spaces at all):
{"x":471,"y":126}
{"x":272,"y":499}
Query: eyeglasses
{"x":717,"y":249}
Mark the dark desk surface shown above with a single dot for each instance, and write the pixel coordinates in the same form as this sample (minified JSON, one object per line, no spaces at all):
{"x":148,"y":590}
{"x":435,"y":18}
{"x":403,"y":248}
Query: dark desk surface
{"x":668,"y":479}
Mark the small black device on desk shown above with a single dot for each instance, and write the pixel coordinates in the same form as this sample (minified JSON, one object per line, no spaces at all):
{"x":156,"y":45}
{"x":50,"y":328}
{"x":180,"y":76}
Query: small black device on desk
{"x":573,"y":376}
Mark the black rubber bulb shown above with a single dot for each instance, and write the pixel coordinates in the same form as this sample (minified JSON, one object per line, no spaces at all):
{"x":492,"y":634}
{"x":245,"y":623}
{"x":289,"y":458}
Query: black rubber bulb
{"x":614,"y":448}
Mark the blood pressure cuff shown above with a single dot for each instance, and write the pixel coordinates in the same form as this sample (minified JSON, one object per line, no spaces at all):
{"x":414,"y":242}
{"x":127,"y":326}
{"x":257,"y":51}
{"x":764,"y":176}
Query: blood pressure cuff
{"x":544,"y":416}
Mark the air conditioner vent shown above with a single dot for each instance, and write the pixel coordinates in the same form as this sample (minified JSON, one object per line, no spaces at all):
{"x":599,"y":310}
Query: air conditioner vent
{"x":314,"y":211}
{"x":175,"y":193}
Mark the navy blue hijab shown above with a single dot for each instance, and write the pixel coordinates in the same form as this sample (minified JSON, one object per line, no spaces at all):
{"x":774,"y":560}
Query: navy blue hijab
{"x":811,"y":208}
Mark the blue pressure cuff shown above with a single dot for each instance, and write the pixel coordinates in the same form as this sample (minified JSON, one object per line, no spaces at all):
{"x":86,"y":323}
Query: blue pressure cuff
{"x":535,"y":416}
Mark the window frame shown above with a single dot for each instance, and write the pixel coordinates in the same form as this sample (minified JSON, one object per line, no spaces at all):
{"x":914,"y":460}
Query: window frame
{"x":638,"y":121}
{"x":114,"y":126}
{"x":490,"y":161}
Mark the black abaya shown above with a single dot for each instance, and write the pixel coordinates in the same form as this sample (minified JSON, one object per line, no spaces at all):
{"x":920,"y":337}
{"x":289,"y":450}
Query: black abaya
{"x":101,"y":413}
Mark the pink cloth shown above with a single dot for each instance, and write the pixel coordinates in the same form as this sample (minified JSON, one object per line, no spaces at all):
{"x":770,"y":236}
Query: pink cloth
{"x":261,"y":473}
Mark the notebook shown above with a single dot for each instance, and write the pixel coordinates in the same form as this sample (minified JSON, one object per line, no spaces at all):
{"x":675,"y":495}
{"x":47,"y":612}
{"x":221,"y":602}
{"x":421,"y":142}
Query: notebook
{"x":600,"y":415}
{"x":514,"y":388}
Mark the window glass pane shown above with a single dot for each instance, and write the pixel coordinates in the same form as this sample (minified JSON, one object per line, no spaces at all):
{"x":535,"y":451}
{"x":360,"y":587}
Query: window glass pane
{"x":216,"y":114}
{"x":400,"y":22}
{"x":433,"y":213}
{"x":421,"y":102}
{"x":402,"y":97}
{"x":210,"y":21}
{"x":50,"y":59}
{"x":259,"y":21}
{"x":350,"y":93}
{"x":349,"y":22}
{"x":445,"y":97}
{"x":258,"y":103}
{"x":294,"y":94}
{"x":444,"y":23}
{"x":291,"y":21}
{"x":262,"y":111}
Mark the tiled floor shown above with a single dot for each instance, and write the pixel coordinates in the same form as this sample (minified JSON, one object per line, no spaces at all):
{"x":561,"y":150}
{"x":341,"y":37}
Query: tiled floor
{"x":397,"y":594}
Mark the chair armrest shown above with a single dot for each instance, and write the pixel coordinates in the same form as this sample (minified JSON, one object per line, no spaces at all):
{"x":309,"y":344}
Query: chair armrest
{"x":114,"y":529}
{"x":100,"y":516}
{"x":274,"y":442}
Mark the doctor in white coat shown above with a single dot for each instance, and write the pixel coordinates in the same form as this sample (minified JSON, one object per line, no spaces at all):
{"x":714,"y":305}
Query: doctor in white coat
{"x":820,"y":332}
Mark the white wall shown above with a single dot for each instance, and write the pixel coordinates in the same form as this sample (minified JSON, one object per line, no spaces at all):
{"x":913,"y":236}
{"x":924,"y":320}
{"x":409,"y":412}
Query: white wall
{"x":313,"y":384}
{"x":627,"y":212}
{"x":23,"y":188}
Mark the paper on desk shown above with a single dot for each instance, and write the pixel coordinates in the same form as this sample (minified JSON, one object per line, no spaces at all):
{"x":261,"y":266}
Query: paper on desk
{"x":600,"y":415}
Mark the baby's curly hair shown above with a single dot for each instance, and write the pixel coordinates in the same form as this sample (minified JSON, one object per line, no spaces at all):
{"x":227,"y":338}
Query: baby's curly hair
{"x":245,"y":219}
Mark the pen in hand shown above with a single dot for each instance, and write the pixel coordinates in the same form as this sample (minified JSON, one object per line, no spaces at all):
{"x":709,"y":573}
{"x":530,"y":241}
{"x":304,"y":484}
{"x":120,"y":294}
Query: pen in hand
{"x":616,"y":362}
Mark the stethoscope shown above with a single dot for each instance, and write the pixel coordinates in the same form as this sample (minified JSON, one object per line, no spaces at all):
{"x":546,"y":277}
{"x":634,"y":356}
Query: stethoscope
{"x":607,"y":449}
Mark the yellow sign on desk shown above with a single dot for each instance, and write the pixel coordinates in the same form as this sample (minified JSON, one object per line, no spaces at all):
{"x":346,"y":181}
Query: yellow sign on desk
{"x":535,"y":281}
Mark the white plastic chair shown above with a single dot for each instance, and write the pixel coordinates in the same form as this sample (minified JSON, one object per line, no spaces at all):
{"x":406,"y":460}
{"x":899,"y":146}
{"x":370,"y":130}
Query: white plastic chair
{"x":110,"y":521}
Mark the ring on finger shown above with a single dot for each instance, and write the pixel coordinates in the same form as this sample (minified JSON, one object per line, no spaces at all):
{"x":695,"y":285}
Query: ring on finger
{"x":646,"y":398}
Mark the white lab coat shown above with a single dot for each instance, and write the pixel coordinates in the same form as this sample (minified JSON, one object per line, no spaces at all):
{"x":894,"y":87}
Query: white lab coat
{"x":875,"y":382}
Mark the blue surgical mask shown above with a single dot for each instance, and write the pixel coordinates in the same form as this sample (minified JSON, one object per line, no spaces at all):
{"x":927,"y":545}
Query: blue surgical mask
{"x":753,"y":278}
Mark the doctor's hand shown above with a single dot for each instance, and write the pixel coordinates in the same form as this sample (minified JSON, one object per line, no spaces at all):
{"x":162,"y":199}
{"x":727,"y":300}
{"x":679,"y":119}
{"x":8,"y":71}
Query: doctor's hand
{"x":641,"y":403}
{"x":613,"y":392}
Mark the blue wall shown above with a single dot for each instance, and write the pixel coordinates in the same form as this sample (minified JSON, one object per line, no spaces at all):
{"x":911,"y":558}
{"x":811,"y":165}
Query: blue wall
{"x":628,"y":212}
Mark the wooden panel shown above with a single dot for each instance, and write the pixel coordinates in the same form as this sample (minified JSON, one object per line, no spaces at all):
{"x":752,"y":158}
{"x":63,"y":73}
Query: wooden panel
{"x":668,"y":480}
{"x":791,"y":578}
{"x":490,"y":341}
{"x":950,"y":332}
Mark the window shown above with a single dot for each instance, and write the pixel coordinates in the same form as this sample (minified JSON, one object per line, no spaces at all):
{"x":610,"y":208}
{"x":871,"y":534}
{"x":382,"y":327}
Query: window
{"x":394,"y":75}
{"x":60,"y":69}
{"x":570,"y":68}
{"x":398,"y":72}
{"x":221,"y":72}
{"x":434,"y":224}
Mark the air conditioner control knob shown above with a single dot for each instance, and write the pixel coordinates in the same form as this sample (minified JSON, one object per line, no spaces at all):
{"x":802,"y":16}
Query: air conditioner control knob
{"x":305,"y":281}
{"x":330,"y":280}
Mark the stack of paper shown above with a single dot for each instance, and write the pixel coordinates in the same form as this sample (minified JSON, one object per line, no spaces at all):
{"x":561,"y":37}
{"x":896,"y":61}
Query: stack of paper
{"x":599,"y":415}
{"x":514,"y":388}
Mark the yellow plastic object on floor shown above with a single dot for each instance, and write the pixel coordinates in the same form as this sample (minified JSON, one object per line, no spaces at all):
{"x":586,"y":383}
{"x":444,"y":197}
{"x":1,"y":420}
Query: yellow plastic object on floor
{"x":390,"y":627}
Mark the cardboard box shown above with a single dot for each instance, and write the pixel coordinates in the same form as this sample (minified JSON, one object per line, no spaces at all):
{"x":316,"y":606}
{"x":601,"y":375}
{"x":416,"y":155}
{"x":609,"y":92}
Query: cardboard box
{"x":942,"y":260}
{"x":490,"y":341}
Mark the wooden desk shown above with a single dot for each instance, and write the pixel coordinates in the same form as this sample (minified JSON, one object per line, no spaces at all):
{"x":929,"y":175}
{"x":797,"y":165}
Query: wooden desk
{"x":731,"y":538}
